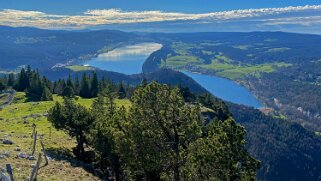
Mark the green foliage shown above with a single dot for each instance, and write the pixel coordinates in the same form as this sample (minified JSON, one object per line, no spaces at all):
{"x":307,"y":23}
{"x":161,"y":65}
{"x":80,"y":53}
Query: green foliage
{"x":2,"y":86}
{"x":281,"y":146}
{"x":30,"y":81}
{"x":46,"y":94}
{"x":161,"y":137}
{"x":160,"y":126}
{"x":85,"y":87}
{"x":221,"y":155}
{"x":121,"y":91}
{"x":94,"y":85}
{"x":74,"y":119}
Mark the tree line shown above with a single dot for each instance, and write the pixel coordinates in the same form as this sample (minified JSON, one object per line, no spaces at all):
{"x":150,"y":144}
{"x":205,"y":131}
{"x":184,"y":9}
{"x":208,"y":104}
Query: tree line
{"x":39,"y":88}
{"x":163,"y":135}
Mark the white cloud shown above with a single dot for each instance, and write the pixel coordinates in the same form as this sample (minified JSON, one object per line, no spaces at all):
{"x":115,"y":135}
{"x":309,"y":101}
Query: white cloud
{"x":92,"y":18}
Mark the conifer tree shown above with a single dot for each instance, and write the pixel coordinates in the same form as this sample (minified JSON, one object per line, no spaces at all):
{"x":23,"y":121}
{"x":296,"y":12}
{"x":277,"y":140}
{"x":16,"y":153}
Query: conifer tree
{"x":84,"y":87}
{"x":121,"y":91}
{"x":73,"y":118}
{"x":94,"y":85}
{"x":11,"y":80}
{"x":2,"y":86}
{"x":46,"y":94}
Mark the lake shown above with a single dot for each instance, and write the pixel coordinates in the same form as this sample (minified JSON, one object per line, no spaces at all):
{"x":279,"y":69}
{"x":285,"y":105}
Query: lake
{"x":226,"y":89}
{"x":130,"y":59}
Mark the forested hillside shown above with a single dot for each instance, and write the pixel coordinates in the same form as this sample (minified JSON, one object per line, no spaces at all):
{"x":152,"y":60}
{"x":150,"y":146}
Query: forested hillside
{"x":287,"y":151}
{"x":30,"y":46}
{"x":281,"y":69}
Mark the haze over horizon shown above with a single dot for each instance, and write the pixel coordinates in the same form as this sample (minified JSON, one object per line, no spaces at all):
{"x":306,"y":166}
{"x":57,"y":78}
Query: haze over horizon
{"x":166,"y":16}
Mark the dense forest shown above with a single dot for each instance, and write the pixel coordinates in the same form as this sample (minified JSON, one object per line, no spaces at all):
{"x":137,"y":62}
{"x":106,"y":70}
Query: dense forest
{"x":286,"y":150}
{"x":294,"y":91}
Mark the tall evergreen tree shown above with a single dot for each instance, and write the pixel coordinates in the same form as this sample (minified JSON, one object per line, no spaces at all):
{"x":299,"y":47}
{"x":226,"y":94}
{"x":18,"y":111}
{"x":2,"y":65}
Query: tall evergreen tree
{"x":84,"y":87}
{"x":23,"y":81}
{"x":121,"y":91}
{"x":11,"y":80}
{"x":46,"y":94}
{"x":77,"y":86}
{"x":94,"y":85}
{"x":2,"y":86}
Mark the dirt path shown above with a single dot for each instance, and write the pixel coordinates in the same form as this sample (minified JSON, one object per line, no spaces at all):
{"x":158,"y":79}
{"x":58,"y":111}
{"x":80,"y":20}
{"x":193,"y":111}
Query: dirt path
{"x":11,"y":94}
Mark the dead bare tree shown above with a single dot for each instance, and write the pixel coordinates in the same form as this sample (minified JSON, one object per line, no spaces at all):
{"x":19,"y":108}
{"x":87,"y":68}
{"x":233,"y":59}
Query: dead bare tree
{"x":34,"y":143}
{"x":44,"y":153}
{"x":35,"y":169}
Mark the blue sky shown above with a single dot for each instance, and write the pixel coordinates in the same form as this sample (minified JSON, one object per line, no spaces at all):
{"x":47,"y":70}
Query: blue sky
{"x":302,"y":16}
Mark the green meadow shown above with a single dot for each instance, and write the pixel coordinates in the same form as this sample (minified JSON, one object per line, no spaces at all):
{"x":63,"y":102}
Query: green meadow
{"x":16,"y":123}
{"x":78,"y":68}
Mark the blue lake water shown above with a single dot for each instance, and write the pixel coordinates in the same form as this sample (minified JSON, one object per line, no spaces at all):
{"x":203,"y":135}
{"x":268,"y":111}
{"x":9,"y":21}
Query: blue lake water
{"x":127,"y":59}
{"x":226,"y":89}
{"x":130,"y":59}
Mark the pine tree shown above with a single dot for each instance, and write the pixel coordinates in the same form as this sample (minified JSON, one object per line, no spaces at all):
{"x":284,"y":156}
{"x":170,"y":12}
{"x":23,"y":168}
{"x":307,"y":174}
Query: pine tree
{"x":84,"y":87}
{"x":2,"y":86}
{"x":77,"y":86}
{"x":161,"y":125}
{"x":46,"y":94}
{"x":68,"y":88}
{"x":221,"y":155}
{"x":23,"y":81}
{"x":75,"y":119}
{"x":11,"y":80}
{"x":121,"y":91}
{"x":94,"y":85}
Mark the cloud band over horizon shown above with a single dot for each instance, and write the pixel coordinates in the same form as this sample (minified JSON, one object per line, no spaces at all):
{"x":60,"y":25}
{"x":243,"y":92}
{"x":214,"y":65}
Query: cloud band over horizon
{"x":309,"y":15}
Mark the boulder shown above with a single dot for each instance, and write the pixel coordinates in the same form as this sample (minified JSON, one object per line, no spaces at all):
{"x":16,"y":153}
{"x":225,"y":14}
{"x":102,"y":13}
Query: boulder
{"x":7,"y":142}
{"x":7,"y":154}
{"x":31,"y":157}
{"x":22,"y":155}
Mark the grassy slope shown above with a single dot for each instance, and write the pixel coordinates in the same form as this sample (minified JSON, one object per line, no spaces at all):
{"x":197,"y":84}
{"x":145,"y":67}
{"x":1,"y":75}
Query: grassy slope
{"x":221,"y":65}
{"x":236,"y":71}
{"x":78,"y":68}
{"x":17,"y":126}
